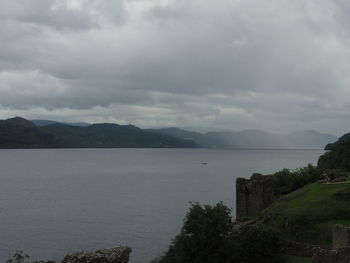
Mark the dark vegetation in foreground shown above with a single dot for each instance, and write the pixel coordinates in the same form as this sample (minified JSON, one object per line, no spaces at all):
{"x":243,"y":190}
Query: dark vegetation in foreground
{"x":206,"y":237}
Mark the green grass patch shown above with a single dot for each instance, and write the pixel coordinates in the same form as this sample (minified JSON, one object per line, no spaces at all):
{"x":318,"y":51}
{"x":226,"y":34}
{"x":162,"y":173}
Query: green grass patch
{"x":307,"y":214}
{"x":294,"y":259}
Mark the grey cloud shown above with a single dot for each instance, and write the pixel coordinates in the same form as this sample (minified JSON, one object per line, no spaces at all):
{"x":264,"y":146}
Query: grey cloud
{"x":63,"y":15}
{"x":234,"y":64}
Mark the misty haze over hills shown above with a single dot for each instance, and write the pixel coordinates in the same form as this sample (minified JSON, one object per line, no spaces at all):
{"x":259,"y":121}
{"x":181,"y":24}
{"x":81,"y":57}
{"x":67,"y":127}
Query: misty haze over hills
{"x":253,"y":138}
{"x":21,"y":133}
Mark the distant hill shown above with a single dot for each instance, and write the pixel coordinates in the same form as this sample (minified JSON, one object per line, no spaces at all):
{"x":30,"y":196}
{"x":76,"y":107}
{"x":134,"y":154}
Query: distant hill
{"x":342,"y":139}
{"x":253,"y":139}
{"x":21,"y":133}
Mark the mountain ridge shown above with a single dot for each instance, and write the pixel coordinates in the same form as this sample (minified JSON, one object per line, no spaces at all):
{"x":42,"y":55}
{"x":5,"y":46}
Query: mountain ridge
{"x":21,"y":133}
{"x":18,"y":132}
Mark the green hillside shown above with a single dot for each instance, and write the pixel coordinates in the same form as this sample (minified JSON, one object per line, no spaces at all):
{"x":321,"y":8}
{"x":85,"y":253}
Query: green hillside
{"x":307,"y":214}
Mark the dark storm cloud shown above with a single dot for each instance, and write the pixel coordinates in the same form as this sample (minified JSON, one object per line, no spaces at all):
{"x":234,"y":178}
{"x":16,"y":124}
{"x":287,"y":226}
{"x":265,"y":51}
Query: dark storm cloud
{"x":278,"y":65}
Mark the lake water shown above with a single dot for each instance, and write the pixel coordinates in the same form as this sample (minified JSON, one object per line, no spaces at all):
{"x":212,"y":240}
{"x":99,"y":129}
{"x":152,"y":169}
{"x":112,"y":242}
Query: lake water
{"x":53,"y":202}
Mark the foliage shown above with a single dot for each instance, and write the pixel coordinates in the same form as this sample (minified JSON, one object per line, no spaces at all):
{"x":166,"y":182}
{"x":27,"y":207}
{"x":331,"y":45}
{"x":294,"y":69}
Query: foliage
{"x":260,"y":244}
{"x":206,"y":238}
{"x":286,"y":181}
{"x":338,"y":157}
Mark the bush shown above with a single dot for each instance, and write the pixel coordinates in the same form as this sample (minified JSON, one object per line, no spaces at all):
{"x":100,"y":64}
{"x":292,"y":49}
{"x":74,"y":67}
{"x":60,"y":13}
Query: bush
{"x":260,"y":244}
{"x":206,"y":238}
{"x":286,"y":181}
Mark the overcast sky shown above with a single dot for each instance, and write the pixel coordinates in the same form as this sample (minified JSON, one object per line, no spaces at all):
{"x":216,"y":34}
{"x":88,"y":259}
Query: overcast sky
{"x":276,"y":65}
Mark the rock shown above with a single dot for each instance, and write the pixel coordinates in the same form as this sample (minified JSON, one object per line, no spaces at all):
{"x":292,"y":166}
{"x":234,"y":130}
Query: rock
{"x":240,"y":227}
{"x":109,"y":255}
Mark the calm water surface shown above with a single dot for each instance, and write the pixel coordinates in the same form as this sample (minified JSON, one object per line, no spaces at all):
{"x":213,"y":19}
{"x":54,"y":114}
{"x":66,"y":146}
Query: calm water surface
{"x":57,"y":201}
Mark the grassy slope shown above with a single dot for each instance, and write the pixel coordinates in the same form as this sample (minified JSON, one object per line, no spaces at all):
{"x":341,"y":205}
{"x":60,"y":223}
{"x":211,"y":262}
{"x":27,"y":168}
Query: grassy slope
{"x":307,"y":214}
{"x":292,"y":259}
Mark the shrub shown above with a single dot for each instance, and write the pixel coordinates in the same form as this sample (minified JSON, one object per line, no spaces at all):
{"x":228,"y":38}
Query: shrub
{"x":286,"y":181}
{"x":260,"y":244}
{"x":206,"y":238}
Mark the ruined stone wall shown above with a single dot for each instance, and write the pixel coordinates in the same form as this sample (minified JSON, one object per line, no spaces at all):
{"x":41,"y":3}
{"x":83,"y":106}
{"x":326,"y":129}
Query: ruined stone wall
{"x":298,"y":249}
{"x":341,"y":255}
{"x":253,"y":195}
{"x":109,"y":255}
{"x":341,"y":236}
{"x":341,"y":247}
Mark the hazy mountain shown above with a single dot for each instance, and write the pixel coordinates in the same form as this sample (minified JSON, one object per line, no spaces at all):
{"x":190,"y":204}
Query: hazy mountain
{"x":254,"y":139}
{"x":42,"y":123}
{"x":21,"y":133}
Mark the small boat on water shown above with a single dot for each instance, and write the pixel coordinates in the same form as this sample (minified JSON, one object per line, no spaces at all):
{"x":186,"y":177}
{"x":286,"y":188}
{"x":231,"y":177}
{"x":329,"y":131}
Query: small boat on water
{"x":204,"y":163}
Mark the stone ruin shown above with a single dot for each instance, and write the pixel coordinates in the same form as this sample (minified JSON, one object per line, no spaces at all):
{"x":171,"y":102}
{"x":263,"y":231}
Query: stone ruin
{"x":109,"y":255}
{"x":340,"y":252}
{"x":257,"y":193}
{"x":253,"y":195}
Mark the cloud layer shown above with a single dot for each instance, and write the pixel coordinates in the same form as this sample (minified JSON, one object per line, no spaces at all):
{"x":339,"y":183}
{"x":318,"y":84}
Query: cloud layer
{"x":277,"y":65}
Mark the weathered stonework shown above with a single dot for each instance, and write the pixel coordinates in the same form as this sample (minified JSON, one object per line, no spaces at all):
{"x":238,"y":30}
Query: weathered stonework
{"x":341,"y":247}
{"x":110,"y":255}
{"x":253,"y":195}
{"x":341,"y":236}
{"x":341,"y":255}
{"x":298,"y":249}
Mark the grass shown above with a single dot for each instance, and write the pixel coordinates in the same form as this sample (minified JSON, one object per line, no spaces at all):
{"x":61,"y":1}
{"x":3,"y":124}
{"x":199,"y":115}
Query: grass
{"x":294,"y":259}
{"x":307,"y":214}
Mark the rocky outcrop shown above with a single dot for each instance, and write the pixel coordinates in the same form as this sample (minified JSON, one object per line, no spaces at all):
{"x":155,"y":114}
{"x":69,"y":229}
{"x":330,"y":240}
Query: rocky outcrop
{"x":110,"y":255}
{"x":253,"y":195}
{"x":240,"y":227}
